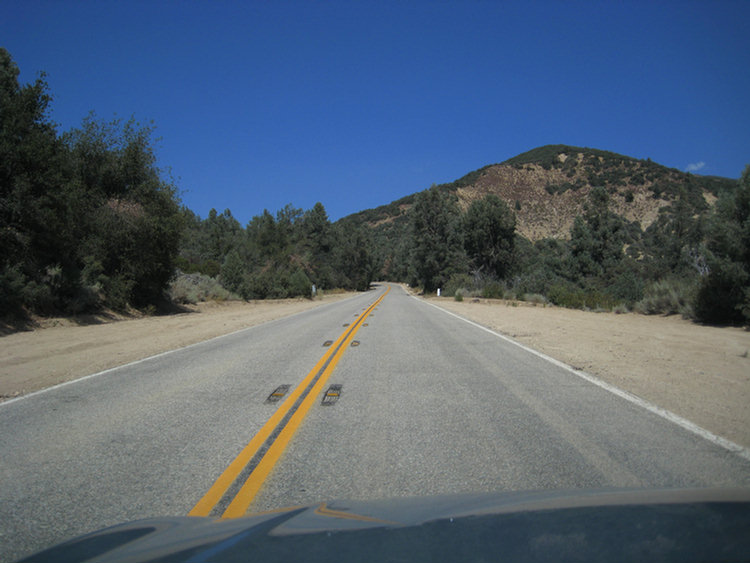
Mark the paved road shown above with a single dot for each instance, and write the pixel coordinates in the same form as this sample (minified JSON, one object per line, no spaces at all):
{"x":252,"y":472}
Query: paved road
{"x":428,"y":404}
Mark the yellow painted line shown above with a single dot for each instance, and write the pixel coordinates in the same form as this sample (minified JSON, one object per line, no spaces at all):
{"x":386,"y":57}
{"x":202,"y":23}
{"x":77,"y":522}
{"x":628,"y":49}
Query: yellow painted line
{"x":230,"y":474}
{"x":225,"y":480}
{"x":239,"y":505}
{"x":279,"y":510}
{"x":323,"y":510}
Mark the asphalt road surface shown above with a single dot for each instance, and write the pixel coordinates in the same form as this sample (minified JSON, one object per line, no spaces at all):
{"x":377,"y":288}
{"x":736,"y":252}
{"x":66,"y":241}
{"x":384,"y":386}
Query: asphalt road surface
{"x":386,"y":396}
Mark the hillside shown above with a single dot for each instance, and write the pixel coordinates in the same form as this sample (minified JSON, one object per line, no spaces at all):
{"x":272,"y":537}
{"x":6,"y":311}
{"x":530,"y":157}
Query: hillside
{"x":548,"y":186}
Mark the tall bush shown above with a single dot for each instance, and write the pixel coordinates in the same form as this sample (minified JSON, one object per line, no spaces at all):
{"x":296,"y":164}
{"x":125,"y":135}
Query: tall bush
{"x":724,"y":294}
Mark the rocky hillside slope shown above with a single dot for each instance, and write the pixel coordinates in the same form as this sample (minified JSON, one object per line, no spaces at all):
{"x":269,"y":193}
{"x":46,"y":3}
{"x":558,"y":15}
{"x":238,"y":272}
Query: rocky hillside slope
{"x":548,"y":187}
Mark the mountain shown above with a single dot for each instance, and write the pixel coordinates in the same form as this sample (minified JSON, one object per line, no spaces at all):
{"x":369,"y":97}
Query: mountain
{"x":548,"y":187}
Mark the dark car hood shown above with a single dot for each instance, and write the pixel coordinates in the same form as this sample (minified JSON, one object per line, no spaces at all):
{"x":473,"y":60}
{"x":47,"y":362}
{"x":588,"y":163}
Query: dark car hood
{"x":612,"y":525}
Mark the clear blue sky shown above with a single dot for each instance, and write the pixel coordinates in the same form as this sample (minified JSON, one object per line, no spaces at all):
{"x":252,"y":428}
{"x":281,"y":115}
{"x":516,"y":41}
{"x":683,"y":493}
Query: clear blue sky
{"x":355,"y":104}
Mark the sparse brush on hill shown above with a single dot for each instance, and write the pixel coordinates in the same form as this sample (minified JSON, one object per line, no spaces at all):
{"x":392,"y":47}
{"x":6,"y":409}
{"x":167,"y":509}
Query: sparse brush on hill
{"x":593,"y":229}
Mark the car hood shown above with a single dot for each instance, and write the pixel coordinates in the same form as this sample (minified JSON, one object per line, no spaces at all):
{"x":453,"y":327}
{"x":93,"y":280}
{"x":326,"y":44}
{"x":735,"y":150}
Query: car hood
{"x":611,"y":525}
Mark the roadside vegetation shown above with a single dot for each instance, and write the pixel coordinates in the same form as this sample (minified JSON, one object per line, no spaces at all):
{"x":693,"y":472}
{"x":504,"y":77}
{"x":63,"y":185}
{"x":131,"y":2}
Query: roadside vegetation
{"x":693,"y":260}
{"x":86,"y":218}
{"x":274,"y":256}
{"x":88,"y":221}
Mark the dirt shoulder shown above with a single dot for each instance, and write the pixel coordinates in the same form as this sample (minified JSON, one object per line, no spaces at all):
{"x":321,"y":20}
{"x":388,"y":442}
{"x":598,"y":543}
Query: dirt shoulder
{"x":701,"y":373}
{"x":61,"y":350}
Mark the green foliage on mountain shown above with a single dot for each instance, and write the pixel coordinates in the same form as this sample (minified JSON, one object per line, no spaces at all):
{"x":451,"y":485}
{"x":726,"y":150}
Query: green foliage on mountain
{"x":688,"y":258}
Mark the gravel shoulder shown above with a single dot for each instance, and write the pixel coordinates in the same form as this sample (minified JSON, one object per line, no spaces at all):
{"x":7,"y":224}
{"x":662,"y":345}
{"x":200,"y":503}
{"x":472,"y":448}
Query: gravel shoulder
{"x":701,"y":373}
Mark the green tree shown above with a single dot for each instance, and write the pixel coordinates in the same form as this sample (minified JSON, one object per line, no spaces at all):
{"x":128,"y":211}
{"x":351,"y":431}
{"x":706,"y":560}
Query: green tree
{"x":317,"y":242}
{"x":223,"y":233}
{"x":35,"y":233}
{"x":437,"y":248}
{"x":299,"y":284}
{"x":288,"y":222}
{"x":489,"y":236}
{"x":724,"y":295}
{"x":596,"y":239}
{"x":267,"y":239}
{"x":129,"y":219}
{"x":352,"y":259}
{"x":233,"y":271}
{"x":671,"y":242}
{"x":193,"y":247}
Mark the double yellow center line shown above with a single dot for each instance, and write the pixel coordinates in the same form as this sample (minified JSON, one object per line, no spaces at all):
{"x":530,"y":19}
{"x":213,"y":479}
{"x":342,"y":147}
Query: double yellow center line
{"x":276,"y":434}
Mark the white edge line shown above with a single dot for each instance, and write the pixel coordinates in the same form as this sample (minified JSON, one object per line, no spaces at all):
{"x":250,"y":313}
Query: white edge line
{"x":159,"y":355}
{"x":636,"y":400}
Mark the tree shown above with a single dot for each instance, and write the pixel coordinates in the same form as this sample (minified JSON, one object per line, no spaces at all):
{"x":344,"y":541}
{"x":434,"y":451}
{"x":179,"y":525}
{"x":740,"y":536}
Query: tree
{"x":223,"y":233}
{"x":671,"y":242}
{"x":317,"y":241}
{"x":233,"y":271}
{"x":34,"y":233}
{"x":288,"y":219}
{"x":266,"y":238}
{"x":596,"y":238}
{"x":437,"y":248}
{"x":299,"y":284}
{"x":193,"y":255}
{"x":489,"y":236}
{"x":352,"y":259}
{"x":724,"y":295}
{"x":131,"y":231}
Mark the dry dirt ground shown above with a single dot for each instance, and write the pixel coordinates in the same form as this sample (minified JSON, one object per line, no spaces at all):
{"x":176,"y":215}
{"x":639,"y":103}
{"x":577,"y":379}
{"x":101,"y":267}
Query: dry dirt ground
{"x":700,"y":373}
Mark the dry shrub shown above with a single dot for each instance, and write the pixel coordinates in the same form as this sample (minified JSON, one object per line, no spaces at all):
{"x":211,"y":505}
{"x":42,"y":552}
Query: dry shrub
{"x":194,"y":288}
{"x":667,"y":297}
